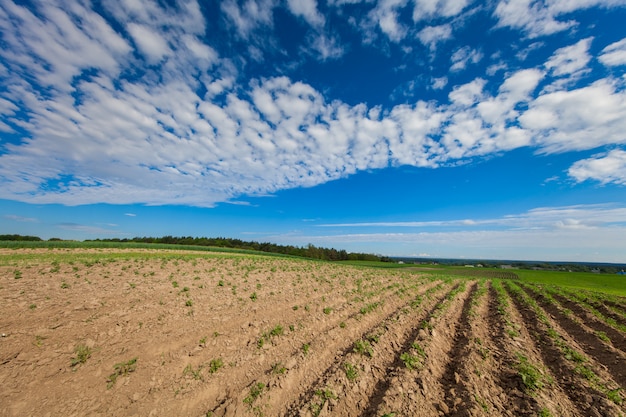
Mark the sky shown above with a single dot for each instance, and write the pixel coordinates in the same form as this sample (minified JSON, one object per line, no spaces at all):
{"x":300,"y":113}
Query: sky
{"x":431,"y":128}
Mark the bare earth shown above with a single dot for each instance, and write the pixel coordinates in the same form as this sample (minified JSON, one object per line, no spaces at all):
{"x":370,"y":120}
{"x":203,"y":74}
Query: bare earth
{"x":168,"y":333}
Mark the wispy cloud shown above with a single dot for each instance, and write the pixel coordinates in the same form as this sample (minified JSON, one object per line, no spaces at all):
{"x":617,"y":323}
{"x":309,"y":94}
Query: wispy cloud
{"x":21,"y":219}
{"x":89,"y":230}
{"x":544,"y":218}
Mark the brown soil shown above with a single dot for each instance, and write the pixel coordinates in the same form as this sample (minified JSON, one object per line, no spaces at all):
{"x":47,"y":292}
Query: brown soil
{"x":227,"y":335}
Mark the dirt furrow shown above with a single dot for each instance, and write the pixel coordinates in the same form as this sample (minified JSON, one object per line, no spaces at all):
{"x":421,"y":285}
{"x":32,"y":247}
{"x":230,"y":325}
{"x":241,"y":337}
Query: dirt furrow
{"x":304,"y":371}
{"x":457,"y":393}
{"x":588,"y":401}
{"x":516,"y":401}
{"x":613,"y":360}
{"x":371,"y":359}
{"x":517,"y":343}
{"x":617,"y":338}
{"x":411,"y":385}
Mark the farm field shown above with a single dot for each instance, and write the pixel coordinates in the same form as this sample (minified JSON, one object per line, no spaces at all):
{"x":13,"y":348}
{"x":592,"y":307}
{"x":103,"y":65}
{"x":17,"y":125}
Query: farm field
{"x":139,"y":332}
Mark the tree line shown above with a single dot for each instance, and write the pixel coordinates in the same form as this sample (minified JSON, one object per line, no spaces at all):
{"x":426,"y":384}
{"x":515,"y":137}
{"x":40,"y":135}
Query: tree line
{"x":309,"y":251}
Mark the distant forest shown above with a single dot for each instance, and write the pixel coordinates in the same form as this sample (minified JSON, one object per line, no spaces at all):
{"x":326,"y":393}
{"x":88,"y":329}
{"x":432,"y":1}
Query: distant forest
{"x":309,"y":251}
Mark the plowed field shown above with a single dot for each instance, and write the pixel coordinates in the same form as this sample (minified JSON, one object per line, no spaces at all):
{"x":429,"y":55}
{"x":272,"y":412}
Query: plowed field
{"x":146,"y":333}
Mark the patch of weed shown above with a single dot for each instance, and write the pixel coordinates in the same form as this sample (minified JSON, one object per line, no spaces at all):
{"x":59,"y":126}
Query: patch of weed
{"x":82,"y":352}
{"x":351,"y":371}
{"x":121,"y":369}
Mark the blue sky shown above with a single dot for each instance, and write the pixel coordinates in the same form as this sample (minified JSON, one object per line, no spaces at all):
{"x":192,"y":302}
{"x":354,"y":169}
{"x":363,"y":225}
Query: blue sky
{"x":441,"y":128}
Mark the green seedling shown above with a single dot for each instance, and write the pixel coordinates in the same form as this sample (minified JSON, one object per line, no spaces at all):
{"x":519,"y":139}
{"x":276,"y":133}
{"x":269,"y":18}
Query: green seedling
{"x":351,"y":371}
{"x":82,"y":352}
{"x":215,"y":365}
{"x":121,"y":369}
{"x":255,"y":392}
{"x":363,"y":347}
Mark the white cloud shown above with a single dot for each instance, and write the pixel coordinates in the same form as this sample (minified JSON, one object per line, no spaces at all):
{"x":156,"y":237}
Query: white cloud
{"x":20,"y":219}
{"x":430,"y":36}
{"x":464,"y":56}
{"x":614,"y":54}
{"x":385,"y":15}
{"x":153,"y":46}
{"x":251,"y":15}
{"x":306,"y":9}
{"x":439,"y":83}
{"x":608,"y":168}
{"x":584,"y":118}
{"x":570,"y":59}
{"x":541,"y":218}
{"x":327,"y":47}
{"x":545,"y":17}
{"x":570,"y":233}
{"x":429,"y":9}
{"x":468,"y":94}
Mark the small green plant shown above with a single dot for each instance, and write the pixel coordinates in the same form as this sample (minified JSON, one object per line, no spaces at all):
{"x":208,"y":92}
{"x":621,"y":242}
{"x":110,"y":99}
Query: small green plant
{"x":305,"y":348}
{"x":195,"y":373}
{"x":65,"y":285}
{"x":254,"y":296}
{"x":323,"y":395}
{"x":327,"y":310}
{"x":220,"y":283}
{"x":255,"y":392}
{"x":121,"y":369}
{"x":39,"y":340}
{"x":544,"y":412}
{"x":175,"y":284}
{"x":411,"y":361}
{"x":614,"y":395}
{"x":351,"y":371}
{"x":17,"y":274}
{"x":277,"y":331}
{"x":203,"y":341}
{"x":342,"y":324}
{"x":189,"y":303}
{"x":278,"y":368}
{"x":82,"y":352}
{"x":602,"y":336}
{"x":294,"y":308}
{"x":32,"y":306}
{"x":363,"y":347}
{"x":215,"y":365}
{"x":481,"y":402}
{"x":531,"y":376}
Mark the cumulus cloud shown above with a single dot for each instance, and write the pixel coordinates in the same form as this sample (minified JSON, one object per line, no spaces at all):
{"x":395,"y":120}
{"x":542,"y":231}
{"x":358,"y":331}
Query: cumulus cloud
{"x":614,"y":54}
{"x":462,"y":57}
{"x":570,"y":59}
{"x":430,"y":36}
{"x":428,"y":9}
{"x":607,"y":168}
{"x":584,"y":118}
{"x":386,"y":16}
{"x":251,"y":15}
{"x":540,"y":18}
{"x":307,"y":9}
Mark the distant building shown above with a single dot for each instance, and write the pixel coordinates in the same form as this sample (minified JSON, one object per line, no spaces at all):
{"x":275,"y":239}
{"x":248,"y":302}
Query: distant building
{"x":506,"y":266}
